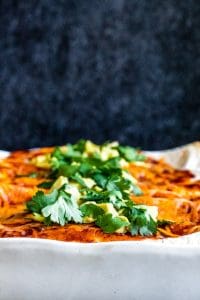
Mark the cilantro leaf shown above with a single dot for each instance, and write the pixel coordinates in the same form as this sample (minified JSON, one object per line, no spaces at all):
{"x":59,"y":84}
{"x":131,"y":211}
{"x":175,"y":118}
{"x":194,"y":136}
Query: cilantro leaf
{"x":57,"y":153}
{"x":100,"y":179}
{"x":98,"y":196}
{"x":116,"y":198}
{"x":141,"y":223}
{"x":143,"y":227}
{"x":67,"y":170}
{"x":80,"y":146}
{"x":45,"y":184}
{"x":91,"y":210}
{"x":136,"y":190}
{"x":41,"y":200}
{"x":72,"y":152}
{"x":130,"y":154}
{"x":57,"y":207}
{"x":117,"y":182}
{"x":63,"y":210}
{"x":57,"y":158}
{"x":110,"y":164}
{"x":78,"y":178}
{"x":110,"y":224}
{"x":85,"y":167}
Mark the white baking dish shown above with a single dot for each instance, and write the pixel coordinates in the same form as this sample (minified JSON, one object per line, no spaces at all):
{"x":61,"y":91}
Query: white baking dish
{"x":43,"y":269}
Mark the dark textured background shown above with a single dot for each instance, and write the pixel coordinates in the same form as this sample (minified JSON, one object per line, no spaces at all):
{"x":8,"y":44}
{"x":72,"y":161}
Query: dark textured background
{"x":104,"y":70}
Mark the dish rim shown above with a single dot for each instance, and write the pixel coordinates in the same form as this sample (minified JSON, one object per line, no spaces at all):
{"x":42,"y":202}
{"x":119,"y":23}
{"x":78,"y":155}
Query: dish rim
{"x":145,"y":245}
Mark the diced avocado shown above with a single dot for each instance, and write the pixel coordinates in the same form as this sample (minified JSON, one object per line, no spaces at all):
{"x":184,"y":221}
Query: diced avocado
{"x":108,"y":152}
{"x":123,"y":163}
{"x":87,"y":220}
{"x":123,"y":229}
{"x":42,"y":161}
{"x":98,"y":188}
{"x":108,"y":208}
{"x":63,"y":149}
{"x":89,"y":182}
{"x":59,"y":183}
{"x":90,"y":211}
{"x":91,"y":148}
{"x":37,"y":217}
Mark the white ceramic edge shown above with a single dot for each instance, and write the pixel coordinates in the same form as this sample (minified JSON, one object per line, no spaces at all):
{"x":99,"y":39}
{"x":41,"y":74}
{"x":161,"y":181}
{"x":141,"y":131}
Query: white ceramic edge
{"x":50,"y":270}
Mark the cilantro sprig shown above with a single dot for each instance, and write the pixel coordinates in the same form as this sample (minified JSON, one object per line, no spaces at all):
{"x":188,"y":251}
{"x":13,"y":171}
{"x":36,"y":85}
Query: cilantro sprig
{"x":141,"y":223}
{"x":110,"y":224}
{"x":98,"y":189}
{"x":130,"y":154}
{"x":57,"y":207}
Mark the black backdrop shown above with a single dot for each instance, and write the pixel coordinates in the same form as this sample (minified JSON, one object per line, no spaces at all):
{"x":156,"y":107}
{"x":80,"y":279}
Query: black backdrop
{"x":104,"y":70}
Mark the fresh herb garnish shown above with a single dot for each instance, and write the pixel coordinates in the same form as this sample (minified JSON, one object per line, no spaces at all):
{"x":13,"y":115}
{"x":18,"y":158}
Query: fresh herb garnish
{"x":110,"y":224}
{"x":91,"y":210}
{"x":130,"y":154}
{"x":141,"y":223}
{"x":88,"y":184}
{"x":45,"y":184}
{"x":57,"y":207}
{"x":40,"y":200}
